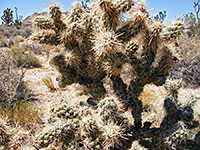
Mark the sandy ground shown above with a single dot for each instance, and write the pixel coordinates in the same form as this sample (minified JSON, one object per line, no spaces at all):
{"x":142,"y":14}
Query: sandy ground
{"x":33,"y":79}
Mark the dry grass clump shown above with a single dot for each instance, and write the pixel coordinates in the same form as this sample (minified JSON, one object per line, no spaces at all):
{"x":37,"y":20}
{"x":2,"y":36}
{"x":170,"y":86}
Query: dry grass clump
{"x":4,"y":136}
{"x":25,"y":114}
{"x":49,"y":83}
{"x":15,"y":137}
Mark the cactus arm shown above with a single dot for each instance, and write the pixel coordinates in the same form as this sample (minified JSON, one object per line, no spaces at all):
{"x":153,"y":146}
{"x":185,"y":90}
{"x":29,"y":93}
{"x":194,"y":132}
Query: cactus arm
{"x":43,"y":23}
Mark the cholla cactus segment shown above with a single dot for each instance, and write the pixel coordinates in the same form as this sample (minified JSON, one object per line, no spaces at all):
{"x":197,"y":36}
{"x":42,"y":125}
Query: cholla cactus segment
{"x":76,"y":12}
{"x":131,"y":48}
{"x":114,"y":65}
{"x":173,"y":85}
{"x":172,"y":88}
{"x":98,"y":44}
{"x":176,"y":138}
{"x":4,"y":137}
{"x":106,"y":5}
{"x":173,"y":31}
{"x":110,"y":112}
{"x":76,"y":5}
{"x":47,"y":37}
{"x":63,"y":110}
{"x":122,"y":6}
{"x":43,"y":23}
{"x":111,"y":11}
{"x":141,"y":6}
{"x":55,"y":11}
{"x":112,"y":135}
{"x":106,"y":43}
{"x":71,"y":59}
{"x":60,"y":130}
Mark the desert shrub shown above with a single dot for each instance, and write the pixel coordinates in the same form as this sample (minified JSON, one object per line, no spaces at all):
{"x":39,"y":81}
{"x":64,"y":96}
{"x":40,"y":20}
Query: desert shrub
{"x":11,"y":83}
{"x":13,"y":91}
{"x":27,"y":60}
{"x":11,"y":31}
{"x":35,"y":47}
{"x":97,"y":43}
{"x":3,"y":40}
{"x":188,"y":67}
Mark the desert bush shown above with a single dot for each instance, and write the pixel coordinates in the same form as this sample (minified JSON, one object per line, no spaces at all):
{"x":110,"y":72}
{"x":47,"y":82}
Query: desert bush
{"x":188,"y":67}
{"x":13,"y":91}
{"x":11,"y":31}
{"x":21,"y":57}
{"x":27,"y":60}
{"x":11,"y":83}
{"x":97,"y":43}
{"x":3,"y":40}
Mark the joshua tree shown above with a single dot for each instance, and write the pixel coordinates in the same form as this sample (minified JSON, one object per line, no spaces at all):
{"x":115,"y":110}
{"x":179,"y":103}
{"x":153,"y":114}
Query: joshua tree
{"x":7,"y":17}
{"x":197,"y":9}
{"x":161,"y":16}
{"x":97,"y":42}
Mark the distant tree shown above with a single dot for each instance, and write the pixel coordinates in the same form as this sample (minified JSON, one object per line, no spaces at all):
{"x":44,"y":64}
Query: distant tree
{"x":161,"y":16}
{"x":197,"y":9}
{"x":7,"y":17}
{"x":19,"y":19}
{"x":192,"y":20}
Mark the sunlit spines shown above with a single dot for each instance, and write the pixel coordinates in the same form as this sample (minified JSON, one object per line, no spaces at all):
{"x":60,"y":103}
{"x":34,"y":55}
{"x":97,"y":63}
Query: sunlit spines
{"x":172,"y":31}
{"x":141,"y":6}
{"x":71,"y":59}
{"x":76,"y":11}
{"x":55,"y":11}
{"x":123,"y":6}
{"x":56,"y":15}
{"x":113,"y":134}
{"x":47,"y":37}
{"x":106,"y":43}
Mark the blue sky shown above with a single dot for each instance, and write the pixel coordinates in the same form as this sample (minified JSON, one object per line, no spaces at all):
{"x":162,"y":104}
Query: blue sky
{"x":174,"y":8}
